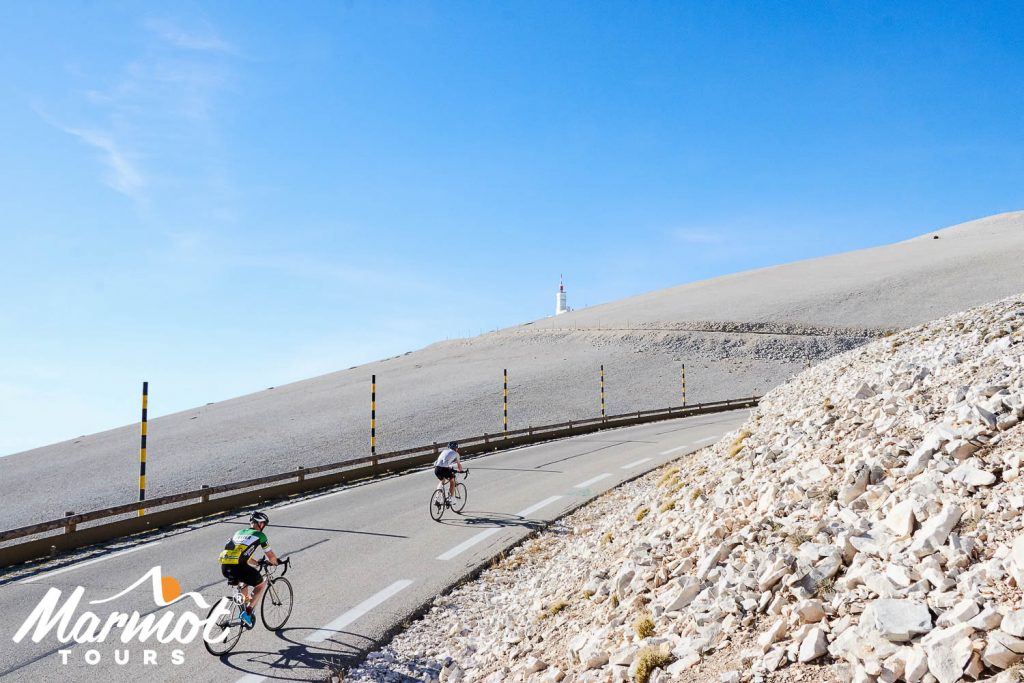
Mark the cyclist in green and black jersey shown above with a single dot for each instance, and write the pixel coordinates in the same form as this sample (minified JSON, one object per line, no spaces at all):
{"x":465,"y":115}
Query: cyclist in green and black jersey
{"x":237,"y":564}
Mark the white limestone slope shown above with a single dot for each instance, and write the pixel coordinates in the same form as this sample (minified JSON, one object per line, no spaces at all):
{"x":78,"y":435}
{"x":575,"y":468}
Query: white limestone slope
{"x":891,"y":286}
{"x":737,"y":335}
{"x":864,"y":525}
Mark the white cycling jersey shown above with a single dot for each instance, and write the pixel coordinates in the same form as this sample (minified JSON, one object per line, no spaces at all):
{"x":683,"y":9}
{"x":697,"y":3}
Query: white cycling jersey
{"x":448,"y":458}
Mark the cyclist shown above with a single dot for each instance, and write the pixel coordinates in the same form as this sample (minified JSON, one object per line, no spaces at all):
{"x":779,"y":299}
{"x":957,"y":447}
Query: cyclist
{"x":237,"y":564}
{"x":443,"y":466}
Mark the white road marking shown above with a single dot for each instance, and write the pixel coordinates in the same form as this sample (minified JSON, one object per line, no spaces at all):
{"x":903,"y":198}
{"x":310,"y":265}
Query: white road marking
{"x":358,"y":611}
{"x":710,"y":438}
{"x":310,"y":500}
{"x":487,"y":533}
{"x":468,"y":543}
{"x":641,"y":461}
{"x":87,"y":563}
{"x":533,"y":508}
{"x":673,"y":450}
{"x":588,"y":482}
{"x":251,"y":678}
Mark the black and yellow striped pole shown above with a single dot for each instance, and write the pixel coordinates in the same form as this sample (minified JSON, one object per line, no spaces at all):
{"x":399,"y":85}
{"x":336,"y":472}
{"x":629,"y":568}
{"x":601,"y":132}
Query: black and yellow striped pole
{"x":504,"y":401}
{"x":373,"y":415}
{"x":684,"y":384}
{"x":602,"y":392}
{"x":142,"y":449}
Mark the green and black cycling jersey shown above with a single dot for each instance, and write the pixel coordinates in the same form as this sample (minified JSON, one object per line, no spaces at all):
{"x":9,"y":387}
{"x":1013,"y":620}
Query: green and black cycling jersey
{"x":242,"y":545}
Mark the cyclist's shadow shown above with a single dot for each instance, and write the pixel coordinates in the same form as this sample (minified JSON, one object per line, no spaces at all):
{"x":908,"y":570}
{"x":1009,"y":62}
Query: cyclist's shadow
{"x":298,"y":659}
{"x":483,"y":519}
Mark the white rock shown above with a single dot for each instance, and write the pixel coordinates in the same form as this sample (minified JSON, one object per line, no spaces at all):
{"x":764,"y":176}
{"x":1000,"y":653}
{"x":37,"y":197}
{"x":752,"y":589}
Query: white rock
{"x":1003,"y":650}
{"x":948,"y":652}
{"x":898,"y":620}
{"x":814,"y":645}
{"x":900,"y":519}
{"x":1013,"y":623}
{"x":935,"y":531}
{"x":773,"y":634}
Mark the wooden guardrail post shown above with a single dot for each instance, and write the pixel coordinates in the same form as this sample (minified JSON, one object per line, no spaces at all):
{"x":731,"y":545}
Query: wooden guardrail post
{"x":301,"y":473}
{"x":69,"y":527}
{"x":205,"y":498}
{"x":142,"y":448}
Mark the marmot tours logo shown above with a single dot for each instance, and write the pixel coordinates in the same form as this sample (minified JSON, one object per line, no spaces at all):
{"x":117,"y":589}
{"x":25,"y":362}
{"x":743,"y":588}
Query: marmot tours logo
{"x":84,"y":627}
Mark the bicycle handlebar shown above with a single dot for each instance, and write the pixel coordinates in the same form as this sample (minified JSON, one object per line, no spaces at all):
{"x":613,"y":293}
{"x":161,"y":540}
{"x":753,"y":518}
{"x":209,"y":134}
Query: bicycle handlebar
{"x":286,"y":563}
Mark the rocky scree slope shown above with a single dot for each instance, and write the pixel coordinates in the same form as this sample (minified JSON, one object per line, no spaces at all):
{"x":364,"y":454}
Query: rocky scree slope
{"x":864,"y":525}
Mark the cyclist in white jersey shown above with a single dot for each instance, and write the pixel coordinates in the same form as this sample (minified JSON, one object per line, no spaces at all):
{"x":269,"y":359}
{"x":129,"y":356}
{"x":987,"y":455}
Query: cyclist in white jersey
{"x":444,"y":466}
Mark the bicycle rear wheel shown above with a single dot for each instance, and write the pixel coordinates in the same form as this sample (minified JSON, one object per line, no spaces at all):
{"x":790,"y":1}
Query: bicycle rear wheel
{"x":276,"y":606}
{"x":461,"y":495}
{"x":437,"y":504}
{"x":226,"y":631}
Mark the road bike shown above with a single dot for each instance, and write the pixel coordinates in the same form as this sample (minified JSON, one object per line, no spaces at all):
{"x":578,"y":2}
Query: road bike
{"x":440,"y":500}
{"x":275,"y":609}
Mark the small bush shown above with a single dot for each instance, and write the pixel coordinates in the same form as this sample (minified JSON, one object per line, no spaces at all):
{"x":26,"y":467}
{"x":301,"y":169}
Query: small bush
{"x":647,"y":660}
{"x":697,"y":493}
{"x":702,"y":470}
{"x":607,"y":538}
{"x":825,"y":587}
{"x":614,"y":600}
{"x":641,"y":513}
{"x":667,"y":505}
{"x":737,"y":444}
{"x":644,"y":627}
{"x":557,"y":607}
{"x":587,"y":594}
{"x":667,"y":478}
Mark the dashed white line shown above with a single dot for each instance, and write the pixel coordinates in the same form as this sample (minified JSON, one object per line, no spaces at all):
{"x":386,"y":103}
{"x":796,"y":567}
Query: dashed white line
{"x":533,"y":508}
{"x":673,"y":450}
{"x":310,"y":500}
{"x":468,"y":543}
{"x":358,"y":611}
{"x":588,"y":482}
{"x":87,"y":563}
{"x":251,"y":678}
{"x":487,"y":533}
{"x":641,"y":461}
{"x":710,"y":438}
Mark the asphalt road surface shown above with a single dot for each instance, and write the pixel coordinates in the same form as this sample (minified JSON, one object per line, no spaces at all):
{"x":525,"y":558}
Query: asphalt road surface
{"x":364,"y":558}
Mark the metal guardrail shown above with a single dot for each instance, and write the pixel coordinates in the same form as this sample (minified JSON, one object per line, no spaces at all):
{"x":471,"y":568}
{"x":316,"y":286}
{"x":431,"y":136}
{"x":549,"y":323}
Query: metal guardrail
{"x":304,"y":479}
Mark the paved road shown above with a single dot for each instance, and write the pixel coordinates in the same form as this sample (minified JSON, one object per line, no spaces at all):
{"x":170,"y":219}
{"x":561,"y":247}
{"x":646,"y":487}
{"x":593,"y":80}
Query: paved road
{"x":365,"y":558}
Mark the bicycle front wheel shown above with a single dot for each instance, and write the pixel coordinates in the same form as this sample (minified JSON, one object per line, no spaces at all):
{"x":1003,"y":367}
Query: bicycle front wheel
{"x":437,"y":504}
{"x":224,"y":634}
{"x":276,"y":606}
{"x":461,"y":495}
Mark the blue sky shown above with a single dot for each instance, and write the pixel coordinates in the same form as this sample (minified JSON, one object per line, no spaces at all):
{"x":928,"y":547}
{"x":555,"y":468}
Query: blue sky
{"x":223,"y":197}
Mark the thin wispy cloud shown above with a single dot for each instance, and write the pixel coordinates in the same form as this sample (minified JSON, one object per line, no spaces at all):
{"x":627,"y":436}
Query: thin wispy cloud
{"x":122,"y":174}
{"x":173,"y":89}
{"x":205,"y":40}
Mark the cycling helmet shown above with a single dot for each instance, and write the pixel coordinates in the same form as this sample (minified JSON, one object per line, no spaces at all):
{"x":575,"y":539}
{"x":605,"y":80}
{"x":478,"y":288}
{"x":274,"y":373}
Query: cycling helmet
{"x":454,"y":445}
{"x":258,"y":518}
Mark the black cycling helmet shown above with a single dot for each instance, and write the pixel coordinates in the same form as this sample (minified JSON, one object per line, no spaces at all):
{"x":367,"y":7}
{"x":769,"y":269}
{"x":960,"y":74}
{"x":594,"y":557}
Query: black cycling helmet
{"x":454,"y":445}
{"x":259,"y":518}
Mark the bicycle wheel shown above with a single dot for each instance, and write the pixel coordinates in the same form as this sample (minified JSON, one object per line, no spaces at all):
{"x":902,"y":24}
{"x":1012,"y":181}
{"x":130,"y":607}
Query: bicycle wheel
{"x":226,"y":632}
{"x":461,"y":495}
{"x":437,"y":504}
{"x":276,"y":606}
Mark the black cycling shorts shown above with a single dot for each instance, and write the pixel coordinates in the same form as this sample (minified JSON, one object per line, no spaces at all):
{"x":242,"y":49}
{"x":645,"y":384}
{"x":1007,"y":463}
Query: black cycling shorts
{"x":245,"y":572}
{"x":444,"y":473}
